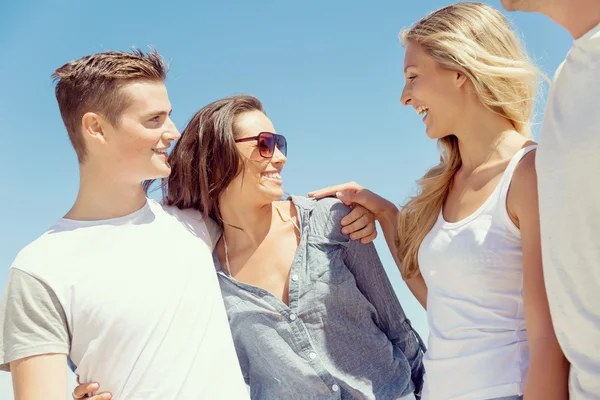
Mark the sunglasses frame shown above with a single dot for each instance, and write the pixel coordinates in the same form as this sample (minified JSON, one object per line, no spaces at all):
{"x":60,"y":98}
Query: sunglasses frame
{"x":257,"y":138}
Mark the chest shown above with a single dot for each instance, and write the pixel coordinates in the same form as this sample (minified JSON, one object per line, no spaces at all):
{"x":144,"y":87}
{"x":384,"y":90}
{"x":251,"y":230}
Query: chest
{"x":570,"y":130}
{"x":269,"y":266}
{"x":470,"y":192}
{"x":480,"y":255}
{"x":126,"y":284}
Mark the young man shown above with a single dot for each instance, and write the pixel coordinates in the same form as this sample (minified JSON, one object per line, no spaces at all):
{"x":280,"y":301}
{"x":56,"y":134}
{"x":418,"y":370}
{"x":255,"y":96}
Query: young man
{"x":568,"y":163}
{"x":124,"y":287}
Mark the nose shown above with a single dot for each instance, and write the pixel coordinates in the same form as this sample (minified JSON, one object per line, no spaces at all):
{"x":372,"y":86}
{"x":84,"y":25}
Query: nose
{"x":278,"y":157}
{"x":406,"y":96}
{"x":171,"y":132}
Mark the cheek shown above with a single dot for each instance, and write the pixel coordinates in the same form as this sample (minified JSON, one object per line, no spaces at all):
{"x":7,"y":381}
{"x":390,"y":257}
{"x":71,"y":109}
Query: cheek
{"x":141,"y":140}
{"x":444,"y":99}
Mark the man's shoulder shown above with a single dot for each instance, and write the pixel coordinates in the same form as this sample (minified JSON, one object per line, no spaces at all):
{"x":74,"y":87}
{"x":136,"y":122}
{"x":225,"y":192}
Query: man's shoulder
{"x":203,"y":227}
{"x":558,"y":71}
{"x":187,"y":214}
{"x":41,"y":251}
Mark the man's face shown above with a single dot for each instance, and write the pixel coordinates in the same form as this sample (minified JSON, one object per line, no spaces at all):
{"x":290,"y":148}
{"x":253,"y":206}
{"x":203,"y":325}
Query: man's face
{"x":136,"y":147}
{"x":528,"y":5}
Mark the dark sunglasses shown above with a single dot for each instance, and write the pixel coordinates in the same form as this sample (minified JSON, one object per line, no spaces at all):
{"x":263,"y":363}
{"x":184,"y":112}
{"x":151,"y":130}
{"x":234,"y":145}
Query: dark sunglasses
{"x":267,"y":142}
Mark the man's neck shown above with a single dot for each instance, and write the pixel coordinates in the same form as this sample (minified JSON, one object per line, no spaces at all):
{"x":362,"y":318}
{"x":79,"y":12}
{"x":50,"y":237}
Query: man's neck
{"x":100,"y":198}
{"x":578,"y":16}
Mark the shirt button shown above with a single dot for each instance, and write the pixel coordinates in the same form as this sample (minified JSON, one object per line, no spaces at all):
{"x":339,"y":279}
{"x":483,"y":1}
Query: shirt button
{"x":294,"y":277}
{"x":312,"y":356}
{"x":293,"y":317}
{"x":335,"y":388}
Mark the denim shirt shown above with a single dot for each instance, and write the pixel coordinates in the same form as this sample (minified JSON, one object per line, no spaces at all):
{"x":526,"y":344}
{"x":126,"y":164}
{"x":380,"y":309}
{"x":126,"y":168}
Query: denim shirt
{"x":344,"y":334}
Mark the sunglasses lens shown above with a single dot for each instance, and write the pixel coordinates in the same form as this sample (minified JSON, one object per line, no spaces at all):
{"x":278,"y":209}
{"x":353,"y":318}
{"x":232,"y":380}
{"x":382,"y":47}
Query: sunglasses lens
{"x":266,"y":145}
{"x":282,"y":145}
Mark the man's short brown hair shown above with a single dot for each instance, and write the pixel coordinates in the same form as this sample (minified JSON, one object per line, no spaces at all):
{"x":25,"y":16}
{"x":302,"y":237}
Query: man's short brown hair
{"x":93,"y":83}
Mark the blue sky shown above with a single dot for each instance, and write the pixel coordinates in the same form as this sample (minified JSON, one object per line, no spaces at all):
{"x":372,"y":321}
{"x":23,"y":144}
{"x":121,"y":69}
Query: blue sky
{"x":328,"y":72}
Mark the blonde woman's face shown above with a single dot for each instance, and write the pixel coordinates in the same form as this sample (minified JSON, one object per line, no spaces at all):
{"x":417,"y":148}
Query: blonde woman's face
{"x":434,"y":92}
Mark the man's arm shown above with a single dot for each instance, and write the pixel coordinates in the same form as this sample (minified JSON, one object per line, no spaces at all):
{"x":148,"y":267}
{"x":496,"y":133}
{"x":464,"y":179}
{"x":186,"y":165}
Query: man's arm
{"x":40,"y":377}
{"x":34,"y":338}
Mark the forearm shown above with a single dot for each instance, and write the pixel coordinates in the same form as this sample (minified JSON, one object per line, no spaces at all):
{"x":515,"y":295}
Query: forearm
{"x":387,"y":221}
{"x":40,"y":377}
{"x":548,"y":374}
{"x":373,"y":282}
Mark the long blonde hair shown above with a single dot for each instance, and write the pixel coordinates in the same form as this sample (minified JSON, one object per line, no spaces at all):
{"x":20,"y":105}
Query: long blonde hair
{"x":476,"y":40}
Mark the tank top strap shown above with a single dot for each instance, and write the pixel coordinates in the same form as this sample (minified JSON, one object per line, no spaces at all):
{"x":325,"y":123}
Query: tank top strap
{"x":510,"y":170}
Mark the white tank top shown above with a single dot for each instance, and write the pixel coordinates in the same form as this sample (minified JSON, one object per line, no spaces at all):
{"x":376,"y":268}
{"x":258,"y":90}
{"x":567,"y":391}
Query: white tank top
{"x":474,"y":274}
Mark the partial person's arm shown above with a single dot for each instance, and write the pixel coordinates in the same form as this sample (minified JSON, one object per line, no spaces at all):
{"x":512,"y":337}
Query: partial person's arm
{"x":548,"y":368}
{"x":386,"y":213}
{"x":40,"y":377}
{"x":34,"y":338}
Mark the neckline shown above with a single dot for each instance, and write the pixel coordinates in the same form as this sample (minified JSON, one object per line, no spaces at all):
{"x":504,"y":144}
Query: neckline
{"x":509,"y":168}
{"x":281,"y":215}
{"x":587,"y":36}
{"x":257,"y":289}
{"x":108,"y":221}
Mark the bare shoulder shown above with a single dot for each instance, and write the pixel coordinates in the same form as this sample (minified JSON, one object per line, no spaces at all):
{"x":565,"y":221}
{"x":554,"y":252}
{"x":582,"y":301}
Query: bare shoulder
{"x":522,"y":195}
{"x":525,"y":176}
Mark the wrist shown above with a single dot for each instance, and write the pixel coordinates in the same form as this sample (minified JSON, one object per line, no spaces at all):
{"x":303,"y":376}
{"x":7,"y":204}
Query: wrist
{"x":387,"y":212}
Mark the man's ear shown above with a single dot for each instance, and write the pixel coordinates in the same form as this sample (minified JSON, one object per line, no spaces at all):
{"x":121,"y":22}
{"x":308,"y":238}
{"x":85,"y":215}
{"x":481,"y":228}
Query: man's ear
{"x":92,"y":127}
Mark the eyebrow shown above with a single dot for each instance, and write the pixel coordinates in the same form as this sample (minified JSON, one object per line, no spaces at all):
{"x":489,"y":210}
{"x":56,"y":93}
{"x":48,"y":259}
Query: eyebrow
{"x":409,"y":66}
{"x":157,"y":113}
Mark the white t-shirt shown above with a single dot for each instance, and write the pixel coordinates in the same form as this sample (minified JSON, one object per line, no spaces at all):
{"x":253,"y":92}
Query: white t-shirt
{"x":134,"y":301}
{"x":568,"y":170}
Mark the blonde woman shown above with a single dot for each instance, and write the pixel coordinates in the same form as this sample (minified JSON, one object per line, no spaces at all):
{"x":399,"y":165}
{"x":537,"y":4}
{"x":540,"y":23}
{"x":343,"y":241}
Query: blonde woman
{"x":468,"y":244}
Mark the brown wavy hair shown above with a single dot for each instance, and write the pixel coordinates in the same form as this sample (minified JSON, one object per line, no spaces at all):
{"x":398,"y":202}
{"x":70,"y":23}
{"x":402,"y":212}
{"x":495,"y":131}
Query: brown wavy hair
{"x":205,"y":160}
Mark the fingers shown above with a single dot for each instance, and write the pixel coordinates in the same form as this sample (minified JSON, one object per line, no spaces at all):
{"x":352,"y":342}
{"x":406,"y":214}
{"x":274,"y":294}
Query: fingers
{"x":360,"y":228}
{"x":357,"y":212}
{"x":368,"y":239}
{"x":101,"y":396}
{"x":360,"y":224}
{"x":348,"y":198}
{"x":332,"y":190}
{"x":84,"y":389}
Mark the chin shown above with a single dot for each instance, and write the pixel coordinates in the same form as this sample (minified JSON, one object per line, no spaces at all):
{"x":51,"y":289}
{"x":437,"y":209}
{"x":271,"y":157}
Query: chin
{"x":512,"y":5}
{"x":431,"y":134}
{"x":273,"y":195}
{"x":159,"y":173}
{"x":277,"y":195}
